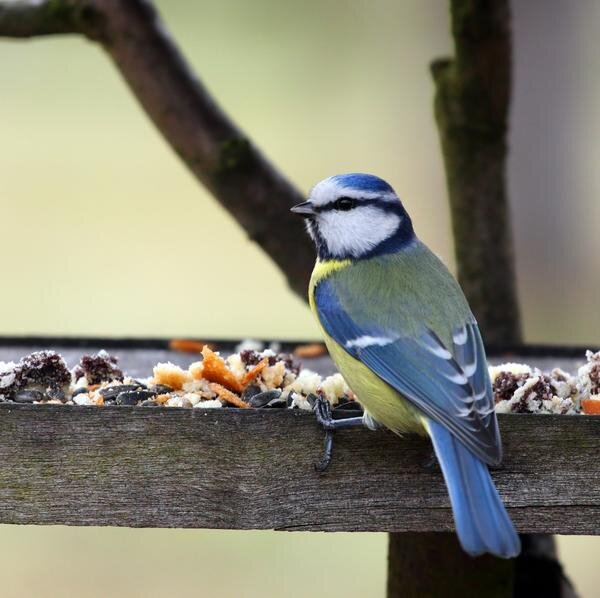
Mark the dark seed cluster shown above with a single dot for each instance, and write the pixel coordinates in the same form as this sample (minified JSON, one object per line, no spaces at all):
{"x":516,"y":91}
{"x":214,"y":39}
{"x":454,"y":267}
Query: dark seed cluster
{"x":97,"y":380}
{"x":41,"y":374}
{"x":533,"y":399}
{"x":506,"y":384}
{"x":251,"y":357}
{"x":520,"y":389}
{"x":98,"y":368}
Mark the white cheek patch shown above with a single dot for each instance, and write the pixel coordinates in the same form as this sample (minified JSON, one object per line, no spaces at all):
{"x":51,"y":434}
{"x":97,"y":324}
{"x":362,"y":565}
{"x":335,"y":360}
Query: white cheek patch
{"x":356,"y":232}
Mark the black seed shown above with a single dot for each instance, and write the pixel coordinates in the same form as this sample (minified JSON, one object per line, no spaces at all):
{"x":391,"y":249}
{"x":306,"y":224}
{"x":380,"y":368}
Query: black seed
{"x":56,"y":394}
{"x":133,"y":397}
{"x":112,"y":392}
{"x":277,"y":404}
{"x":262,"y":398}
{"x":290,"y":399}
{"x":80,"y":391}
{"x":148,"y":403}
{"x":160,"y":389}
{"x":312,"y":399}
{"x":251,"y":391}
{"x":28,"y":396}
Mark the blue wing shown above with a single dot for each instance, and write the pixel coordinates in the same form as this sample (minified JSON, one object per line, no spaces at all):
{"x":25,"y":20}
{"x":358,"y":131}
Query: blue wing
{"x":449,"y":384}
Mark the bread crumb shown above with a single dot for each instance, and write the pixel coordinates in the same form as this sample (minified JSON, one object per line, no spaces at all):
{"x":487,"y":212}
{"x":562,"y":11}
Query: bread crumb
{"x":170,"y":375}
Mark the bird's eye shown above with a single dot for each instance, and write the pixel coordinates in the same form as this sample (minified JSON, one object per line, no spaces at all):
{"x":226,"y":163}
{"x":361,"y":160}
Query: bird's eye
{"x":345,"y":204}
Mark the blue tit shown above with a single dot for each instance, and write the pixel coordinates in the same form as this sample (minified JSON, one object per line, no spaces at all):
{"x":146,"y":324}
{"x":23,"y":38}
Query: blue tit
{"x":400,"y":331}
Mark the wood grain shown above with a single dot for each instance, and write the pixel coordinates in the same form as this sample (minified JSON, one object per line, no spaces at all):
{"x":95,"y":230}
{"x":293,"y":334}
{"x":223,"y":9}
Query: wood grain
{"x":150,"y":467}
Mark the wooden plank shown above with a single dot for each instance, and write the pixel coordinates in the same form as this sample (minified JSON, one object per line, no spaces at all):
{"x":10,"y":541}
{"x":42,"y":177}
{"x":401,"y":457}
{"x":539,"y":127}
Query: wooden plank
{"x":253,"y":469}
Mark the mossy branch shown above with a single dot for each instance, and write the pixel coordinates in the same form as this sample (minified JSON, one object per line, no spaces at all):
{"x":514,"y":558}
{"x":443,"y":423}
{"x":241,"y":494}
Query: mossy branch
{"x":218,"y":153}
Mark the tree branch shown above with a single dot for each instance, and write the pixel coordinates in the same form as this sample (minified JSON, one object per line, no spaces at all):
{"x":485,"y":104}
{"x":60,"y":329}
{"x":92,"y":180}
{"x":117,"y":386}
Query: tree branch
{"x":471,"y":107}
{"x":28,"y":18}
{"x":219,"y":154}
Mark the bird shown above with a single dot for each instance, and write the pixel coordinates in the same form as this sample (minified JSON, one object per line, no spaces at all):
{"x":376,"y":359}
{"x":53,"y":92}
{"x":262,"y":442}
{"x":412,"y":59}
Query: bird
{"x":400,"y":331}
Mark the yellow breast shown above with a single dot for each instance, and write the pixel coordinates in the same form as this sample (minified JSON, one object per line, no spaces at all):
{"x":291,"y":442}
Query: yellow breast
{"x":379,"y":399}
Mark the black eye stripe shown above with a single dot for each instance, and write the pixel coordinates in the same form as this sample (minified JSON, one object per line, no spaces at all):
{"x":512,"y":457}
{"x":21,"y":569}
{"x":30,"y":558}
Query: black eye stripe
{"x":386,"y":206}
{"x":344,"y":203}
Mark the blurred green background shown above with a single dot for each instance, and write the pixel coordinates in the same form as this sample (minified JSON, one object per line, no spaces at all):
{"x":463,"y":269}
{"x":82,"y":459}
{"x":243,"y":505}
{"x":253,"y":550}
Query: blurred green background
{"x":106,"y":233}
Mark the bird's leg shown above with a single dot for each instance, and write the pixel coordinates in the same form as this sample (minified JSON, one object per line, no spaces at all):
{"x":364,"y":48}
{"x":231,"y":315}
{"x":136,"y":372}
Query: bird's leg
{"x":431,"y":462}
{"x":322,"y":411}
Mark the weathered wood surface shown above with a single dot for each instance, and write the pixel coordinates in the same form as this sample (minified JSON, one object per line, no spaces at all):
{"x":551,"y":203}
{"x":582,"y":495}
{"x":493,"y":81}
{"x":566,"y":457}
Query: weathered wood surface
{"x":133,"y":466}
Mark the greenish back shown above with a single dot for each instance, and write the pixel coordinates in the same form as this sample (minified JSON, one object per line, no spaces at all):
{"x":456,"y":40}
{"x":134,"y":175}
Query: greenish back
{"x":405,"y":292}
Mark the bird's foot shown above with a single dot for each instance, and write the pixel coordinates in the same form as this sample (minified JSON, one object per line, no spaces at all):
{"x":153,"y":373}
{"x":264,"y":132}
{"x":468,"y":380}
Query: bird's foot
{"x":322,"y":410}
{"x":430,"y":463}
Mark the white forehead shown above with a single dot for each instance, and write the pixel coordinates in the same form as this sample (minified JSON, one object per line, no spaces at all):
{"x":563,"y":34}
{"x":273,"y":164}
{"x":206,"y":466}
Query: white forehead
{"x":330,"y":189}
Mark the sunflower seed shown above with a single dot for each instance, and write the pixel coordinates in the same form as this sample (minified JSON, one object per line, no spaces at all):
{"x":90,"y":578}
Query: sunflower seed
{"x":133,"y":397}
{"x":112,"y":392}
{"x":262,"y":398}
{"x":28,"y":396}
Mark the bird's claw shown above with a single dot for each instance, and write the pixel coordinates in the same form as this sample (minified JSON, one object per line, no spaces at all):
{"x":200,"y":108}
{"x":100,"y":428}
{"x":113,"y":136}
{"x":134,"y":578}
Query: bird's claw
{"x":322,"y":410}
{"x":430,"y":463}
{"x":325,"y":461}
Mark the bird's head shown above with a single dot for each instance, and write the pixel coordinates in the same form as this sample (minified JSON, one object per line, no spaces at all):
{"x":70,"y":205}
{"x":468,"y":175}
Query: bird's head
{"x":355,"y":216}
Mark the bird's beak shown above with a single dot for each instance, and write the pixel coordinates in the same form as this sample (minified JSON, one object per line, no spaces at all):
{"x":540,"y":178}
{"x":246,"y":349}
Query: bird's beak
{"x":305,"y":209}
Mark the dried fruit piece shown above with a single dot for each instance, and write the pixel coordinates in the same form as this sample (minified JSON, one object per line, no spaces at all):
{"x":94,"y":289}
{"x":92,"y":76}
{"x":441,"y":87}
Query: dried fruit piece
{"x":186,"y":346}
{"x":591,"y":406}
{"x":215,"y":370}
{"x":310,"y":350}
{"x":228,"y":396}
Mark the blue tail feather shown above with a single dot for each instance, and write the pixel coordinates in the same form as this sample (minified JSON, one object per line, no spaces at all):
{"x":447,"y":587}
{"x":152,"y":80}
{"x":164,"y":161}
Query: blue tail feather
{"x":482,"y":523}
